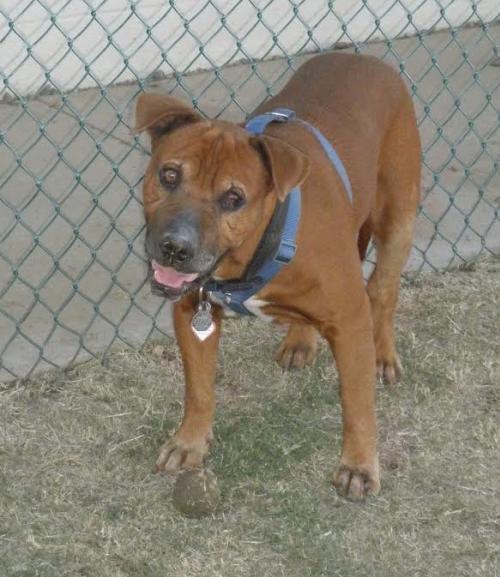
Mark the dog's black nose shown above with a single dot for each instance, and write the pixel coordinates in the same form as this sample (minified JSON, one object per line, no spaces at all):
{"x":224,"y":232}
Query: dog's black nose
{"x":176,"y":249}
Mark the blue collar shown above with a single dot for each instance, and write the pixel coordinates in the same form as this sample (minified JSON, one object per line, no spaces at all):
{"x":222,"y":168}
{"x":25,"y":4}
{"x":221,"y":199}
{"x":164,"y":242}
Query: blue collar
{"x":234,"y":293}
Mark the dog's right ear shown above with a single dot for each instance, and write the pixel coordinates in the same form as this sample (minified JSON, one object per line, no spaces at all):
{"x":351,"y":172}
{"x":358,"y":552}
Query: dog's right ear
{"x":161,"y":113}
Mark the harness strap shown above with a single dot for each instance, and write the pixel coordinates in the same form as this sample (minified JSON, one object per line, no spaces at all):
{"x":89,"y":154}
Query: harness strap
{"x":258,"y":124}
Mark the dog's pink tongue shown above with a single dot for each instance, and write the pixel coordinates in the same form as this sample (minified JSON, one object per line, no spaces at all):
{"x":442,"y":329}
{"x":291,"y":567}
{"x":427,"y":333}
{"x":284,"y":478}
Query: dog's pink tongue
{"x":168,"y":276}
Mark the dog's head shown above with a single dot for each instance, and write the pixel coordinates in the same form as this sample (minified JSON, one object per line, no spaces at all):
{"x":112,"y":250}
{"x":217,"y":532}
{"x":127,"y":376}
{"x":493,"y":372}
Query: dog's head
{"x":209,"y":191}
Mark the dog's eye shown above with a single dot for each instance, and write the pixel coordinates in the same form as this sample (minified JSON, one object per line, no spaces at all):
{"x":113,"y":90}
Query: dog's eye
{"x":231,"y":200}
{"x":170,"y":176}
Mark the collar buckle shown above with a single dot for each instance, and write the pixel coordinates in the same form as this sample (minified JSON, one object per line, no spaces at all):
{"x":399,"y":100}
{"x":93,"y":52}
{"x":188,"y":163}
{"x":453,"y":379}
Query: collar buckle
{"x":282,"y":114}
{"x":286,"y":251}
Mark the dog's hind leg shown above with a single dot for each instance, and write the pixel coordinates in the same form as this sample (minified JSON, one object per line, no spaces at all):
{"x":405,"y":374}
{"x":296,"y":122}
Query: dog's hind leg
{"x":364,"y":238}
{"x":298,"y":348}
{"x":392,"y":221}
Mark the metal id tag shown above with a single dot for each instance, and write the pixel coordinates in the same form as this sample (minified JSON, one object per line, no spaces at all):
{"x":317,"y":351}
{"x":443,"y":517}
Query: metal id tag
{"x":202,"y":322}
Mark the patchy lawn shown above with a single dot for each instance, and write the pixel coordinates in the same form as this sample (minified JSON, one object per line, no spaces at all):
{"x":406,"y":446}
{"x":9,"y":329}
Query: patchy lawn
{"x":78,"y":496}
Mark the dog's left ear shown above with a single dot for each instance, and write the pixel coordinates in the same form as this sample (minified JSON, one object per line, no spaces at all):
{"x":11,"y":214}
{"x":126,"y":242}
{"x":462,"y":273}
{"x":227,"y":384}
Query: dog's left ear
{"x":161,"y":113}
{"x":287,"y":166}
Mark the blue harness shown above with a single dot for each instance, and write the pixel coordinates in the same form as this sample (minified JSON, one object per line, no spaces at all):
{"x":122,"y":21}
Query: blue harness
{"x":234,"y":293}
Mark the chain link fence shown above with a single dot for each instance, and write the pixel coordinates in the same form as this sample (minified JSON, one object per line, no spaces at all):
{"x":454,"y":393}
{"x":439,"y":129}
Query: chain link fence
{"x":72,"y":274}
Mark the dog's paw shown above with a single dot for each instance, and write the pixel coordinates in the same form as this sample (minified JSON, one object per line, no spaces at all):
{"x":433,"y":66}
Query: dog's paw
{"x":389,"y":369}
{"x":180,"y":452}
{"x":298,"y":348}
{"x":296,"y":356}
{"x":356,"y":483}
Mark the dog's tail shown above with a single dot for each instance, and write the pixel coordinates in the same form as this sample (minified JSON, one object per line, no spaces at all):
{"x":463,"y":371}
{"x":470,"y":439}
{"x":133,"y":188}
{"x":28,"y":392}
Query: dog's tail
{"x":364,"y":236}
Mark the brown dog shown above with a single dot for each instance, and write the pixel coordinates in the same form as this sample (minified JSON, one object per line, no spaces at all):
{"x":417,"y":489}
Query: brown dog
{"x":209,"y":192}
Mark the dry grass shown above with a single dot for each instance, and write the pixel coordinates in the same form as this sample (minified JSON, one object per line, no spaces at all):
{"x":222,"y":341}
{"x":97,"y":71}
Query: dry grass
{"x":76,"y":449}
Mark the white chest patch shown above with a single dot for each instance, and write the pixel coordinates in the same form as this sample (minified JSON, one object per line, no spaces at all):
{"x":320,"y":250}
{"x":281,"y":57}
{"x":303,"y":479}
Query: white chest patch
{"x":255,"y":306}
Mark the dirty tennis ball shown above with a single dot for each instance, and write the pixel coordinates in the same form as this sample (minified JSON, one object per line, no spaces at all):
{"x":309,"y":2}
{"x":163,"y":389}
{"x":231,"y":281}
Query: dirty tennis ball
{"x":196,"y":492}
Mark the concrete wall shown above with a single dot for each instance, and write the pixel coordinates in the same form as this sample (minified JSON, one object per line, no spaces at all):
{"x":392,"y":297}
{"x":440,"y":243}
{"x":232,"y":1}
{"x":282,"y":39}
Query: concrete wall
{"x":67,"y":36}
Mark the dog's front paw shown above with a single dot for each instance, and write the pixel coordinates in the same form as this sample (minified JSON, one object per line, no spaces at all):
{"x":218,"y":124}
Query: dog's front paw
{"x":183,"y":452}
{"x":356,"y":482}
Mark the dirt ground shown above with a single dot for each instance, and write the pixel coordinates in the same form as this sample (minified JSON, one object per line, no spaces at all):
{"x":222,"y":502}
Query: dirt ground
{"x":78,"y":496}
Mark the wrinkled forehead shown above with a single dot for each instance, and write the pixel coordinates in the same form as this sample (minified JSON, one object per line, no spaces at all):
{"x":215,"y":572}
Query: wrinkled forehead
{"x":213,"y":155}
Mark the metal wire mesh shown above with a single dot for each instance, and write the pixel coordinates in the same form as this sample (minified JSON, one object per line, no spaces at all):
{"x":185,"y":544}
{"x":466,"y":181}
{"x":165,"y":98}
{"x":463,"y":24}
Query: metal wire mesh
{"x":72,"y":279}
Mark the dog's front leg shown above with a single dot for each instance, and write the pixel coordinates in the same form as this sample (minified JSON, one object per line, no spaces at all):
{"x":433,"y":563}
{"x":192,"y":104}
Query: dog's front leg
{"x":351,"y":340}
{"x":187,"y":448}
